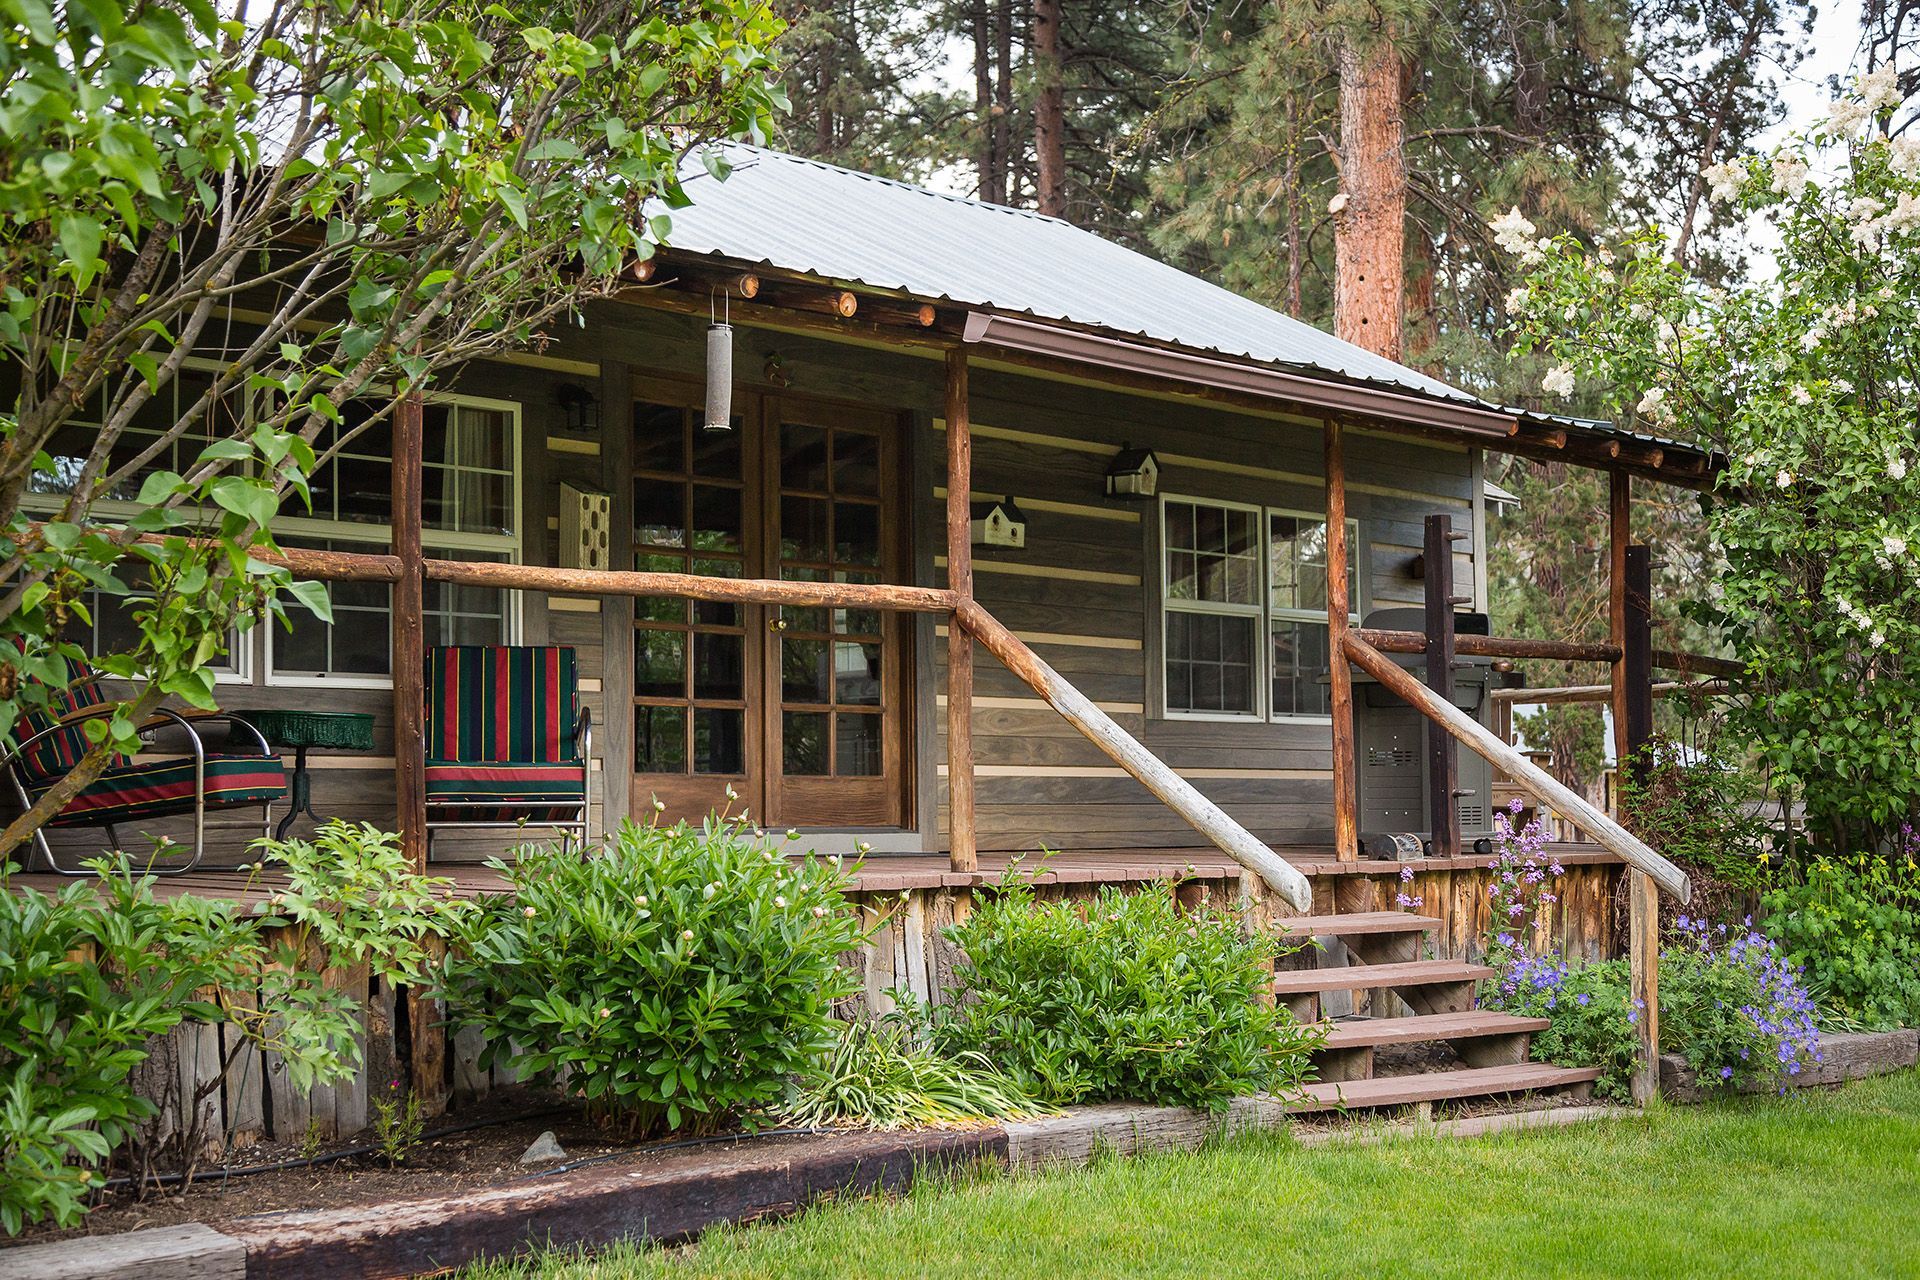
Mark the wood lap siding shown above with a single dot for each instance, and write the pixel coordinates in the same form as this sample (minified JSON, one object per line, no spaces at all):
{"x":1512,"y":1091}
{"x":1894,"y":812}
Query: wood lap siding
{"x":1036,"y":784}
{"x":1096,"y":622}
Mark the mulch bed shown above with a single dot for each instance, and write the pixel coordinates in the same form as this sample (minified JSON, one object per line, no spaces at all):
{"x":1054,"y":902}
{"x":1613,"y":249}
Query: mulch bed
{"x":460,"y":1159}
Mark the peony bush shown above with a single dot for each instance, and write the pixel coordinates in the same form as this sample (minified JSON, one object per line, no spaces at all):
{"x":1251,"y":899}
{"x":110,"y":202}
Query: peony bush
{"x":677,"y":979}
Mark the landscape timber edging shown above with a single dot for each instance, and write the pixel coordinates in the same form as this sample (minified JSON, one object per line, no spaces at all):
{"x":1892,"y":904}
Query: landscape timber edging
{"x":671,"y":1196}
{"x":1847,"y":1056}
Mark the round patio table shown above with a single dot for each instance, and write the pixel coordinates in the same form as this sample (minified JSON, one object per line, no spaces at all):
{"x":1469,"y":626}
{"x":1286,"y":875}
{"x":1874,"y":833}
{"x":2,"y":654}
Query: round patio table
{"x":303,"y":731}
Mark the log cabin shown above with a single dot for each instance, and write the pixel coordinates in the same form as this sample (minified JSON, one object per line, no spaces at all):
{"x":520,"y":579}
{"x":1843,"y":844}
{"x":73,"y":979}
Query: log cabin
{"x":745,"y":492}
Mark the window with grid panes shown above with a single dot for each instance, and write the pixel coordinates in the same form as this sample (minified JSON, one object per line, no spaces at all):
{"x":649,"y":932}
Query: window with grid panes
{"x":1243,"y":609}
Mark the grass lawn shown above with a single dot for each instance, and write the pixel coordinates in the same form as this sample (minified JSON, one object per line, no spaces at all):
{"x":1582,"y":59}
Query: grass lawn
{"x":1815,"y":1184}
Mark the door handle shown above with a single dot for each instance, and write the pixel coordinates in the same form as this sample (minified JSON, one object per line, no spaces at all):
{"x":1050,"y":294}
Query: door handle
{"x":776,"y":624}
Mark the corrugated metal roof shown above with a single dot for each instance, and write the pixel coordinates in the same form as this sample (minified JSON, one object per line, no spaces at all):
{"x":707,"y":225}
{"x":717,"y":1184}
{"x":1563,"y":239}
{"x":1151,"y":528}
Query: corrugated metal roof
{"x":802,"y":215}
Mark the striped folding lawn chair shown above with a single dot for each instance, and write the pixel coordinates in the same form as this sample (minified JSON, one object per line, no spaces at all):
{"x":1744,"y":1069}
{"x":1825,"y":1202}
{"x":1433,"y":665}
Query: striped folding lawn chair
{"x":507,"y":739}
{"x":47,"y":746}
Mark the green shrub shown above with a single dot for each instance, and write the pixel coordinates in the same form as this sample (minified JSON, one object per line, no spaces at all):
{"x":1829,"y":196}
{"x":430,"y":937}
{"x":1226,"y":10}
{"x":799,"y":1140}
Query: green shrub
{"x":1854,"y":925}
{"x":881,"y":1075}
{"x":1123,"y":997}
{"x":678,"y":978}
{"x":91,"y":975}
{"x":1695,"y":808}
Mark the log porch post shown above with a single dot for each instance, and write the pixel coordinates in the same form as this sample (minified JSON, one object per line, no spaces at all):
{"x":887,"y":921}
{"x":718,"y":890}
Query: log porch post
{"x":1631,"y":669}
{"x":961,"y":844}
{"x":1346,"y":822}
{"x":1443,"y":753}
{"x":409,"y":633}
{"x":426,"y":1026}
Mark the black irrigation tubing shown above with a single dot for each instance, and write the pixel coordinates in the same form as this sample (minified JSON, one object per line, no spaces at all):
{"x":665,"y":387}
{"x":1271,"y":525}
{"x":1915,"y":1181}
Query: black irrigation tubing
{"x":649,"y":1148}
{"x":330,"y":1157}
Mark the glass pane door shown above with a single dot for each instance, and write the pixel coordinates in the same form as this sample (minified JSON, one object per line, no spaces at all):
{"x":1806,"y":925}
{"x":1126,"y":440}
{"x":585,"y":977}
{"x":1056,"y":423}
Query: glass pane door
{"x":839,"y":757}
{"x":693,"y":718}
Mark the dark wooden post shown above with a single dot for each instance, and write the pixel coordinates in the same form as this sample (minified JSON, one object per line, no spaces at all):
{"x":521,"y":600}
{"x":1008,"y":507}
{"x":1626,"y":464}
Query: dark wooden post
{"x":1619,"y":538}
{"x":1637,"y":659}
{"x":426,"y":1025}
{"x":1346,"y":818}
{"x":409,"y":634}
{"x":1631,"y":670}
{"x":961,"y":842}
{"x":1443,"y":753}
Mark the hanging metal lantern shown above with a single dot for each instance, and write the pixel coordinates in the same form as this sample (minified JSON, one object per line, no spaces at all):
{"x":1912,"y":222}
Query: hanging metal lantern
{"x":719,"y":376}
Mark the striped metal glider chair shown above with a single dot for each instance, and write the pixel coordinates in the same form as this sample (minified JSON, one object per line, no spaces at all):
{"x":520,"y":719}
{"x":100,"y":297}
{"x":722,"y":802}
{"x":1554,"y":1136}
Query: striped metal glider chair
{"x":49,"y":744}
{"x":507,"y":739}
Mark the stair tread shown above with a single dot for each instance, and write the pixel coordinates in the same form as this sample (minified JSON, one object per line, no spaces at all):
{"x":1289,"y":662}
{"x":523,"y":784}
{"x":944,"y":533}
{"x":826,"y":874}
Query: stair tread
{"x":1388,"y":1091}
{"x":1356,"y":923}
{"x":1358,"y":1032}
{"x":1354,"y":977}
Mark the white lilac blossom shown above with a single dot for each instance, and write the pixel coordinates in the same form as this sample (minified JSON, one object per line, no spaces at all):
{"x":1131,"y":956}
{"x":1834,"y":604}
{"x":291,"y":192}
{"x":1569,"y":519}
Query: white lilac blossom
{"x":1558,"y":381}
{"x":1845,"y":117}
{"x":1724,"y":181}
{"x":1783,"y":479}
{"x":1791,"y":175}
{"x":1800,"y":394}
{"x":1338,"y":203}
{"x":1512,"y":231}
{"x":1897,"y":467}
{"x":1653,"y":403}
{"x":1517,"y":300}
{"x":1879,"y":89}
{"x":1903,"y":156}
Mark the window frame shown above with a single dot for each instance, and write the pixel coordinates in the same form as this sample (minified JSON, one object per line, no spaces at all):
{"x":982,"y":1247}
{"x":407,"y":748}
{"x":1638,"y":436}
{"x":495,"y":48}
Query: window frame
{"x":1265,"y":611}
{"x":239,"y":666}
{"x":379,"y":537}
{"x":1292,"y":613}
{"x":1256,"y":611}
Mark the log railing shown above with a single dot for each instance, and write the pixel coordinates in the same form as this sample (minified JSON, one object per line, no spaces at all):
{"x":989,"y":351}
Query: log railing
{"x":1549,"y":790}
{"x":967,"y":617}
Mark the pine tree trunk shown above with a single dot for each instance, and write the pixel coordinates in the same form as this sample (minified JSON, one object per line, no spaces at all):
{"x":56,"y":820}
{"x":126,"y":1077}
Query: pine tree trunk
{"x":1369,"y":240}
{"x":1049,"y":112}
{"x":988,"y":160}
{"x":1003,"y":100}
{"x":1296,"y":228}
{"x":823,"y":121}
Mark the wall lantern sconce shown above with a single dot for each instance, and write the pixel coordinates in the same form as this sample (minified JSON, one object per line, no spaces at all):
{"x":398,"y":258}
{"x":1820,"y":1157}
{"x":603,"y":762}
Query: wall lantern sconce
{"x":999,"y":524}
{"x":580,"y":411}
{"x":1134,"y":474}
{"x":719,"y":372}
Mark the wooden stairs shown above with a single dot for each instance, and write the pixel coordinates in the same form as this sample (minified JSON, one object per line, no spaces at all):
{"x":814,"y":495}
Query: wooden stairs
{"x":1418,"y":1038}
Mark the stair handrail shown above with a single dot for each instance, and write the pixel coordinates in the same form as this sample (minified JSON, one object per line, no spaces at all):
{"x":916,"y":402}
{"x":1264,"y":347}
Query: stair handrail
{"x":1543,"y":786}
{"x":1174,"y":791}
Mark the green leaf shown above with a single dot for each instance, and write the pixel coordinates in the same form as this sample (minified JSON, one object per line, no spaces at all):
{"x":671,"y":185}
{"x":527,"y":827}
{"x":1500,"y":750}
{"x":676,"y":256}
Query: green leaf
{"x":245,"y":498}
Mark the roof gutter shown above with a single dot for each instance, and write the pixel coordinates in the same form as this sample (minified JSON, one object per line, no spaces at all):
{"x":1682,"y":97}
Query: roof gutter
{"x":1032,"y":338}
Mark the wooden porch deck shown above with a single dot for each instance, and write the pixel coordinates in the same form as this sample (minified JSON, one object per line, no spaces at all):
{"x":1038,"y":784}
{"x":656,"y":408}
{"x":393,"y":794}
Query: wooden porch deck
{"x":896,"y":872}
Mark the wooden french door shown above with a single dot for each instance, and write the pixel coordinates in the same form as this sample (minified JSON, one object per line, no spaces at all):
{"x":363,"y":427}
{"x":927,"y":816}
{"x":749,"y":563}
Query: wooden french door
{"x":801,"y":711}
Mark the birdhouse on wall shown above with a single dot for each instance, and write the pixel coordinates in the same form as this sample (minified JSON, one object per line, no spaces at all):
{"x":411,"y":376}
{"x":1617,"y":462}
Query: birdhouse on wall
{"x":999,"y":524}
{"x":586,"y":524}
{"x":1134,"y":474}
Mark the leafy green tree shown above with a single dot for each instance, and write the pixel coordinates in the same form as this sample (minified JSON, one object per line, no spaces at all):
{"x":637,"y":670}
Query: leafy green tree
{"x":331,"y":198}
{"x":1805,"y":381}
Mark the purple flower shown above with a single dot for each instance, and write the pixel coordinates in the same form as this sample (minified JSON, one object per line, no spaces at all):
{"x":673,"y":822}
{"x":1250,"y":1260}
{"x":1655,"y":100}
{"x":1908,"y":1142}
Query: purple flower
{"x":1583,"y":999}
{"x":1726,"y":1073}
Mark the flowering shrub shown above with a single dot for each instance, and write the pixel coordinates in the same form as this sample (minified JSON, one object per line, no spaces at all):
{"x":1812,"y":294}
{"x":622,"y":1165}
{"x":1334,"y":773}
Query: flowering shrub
{"x":1521,"y":888}
{"x":1122,"y":997}
{"x":676,"y":979}
{"x":1730,"y":1003}
{"x":1804,"y":380}
{"x":1854,"y":924}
